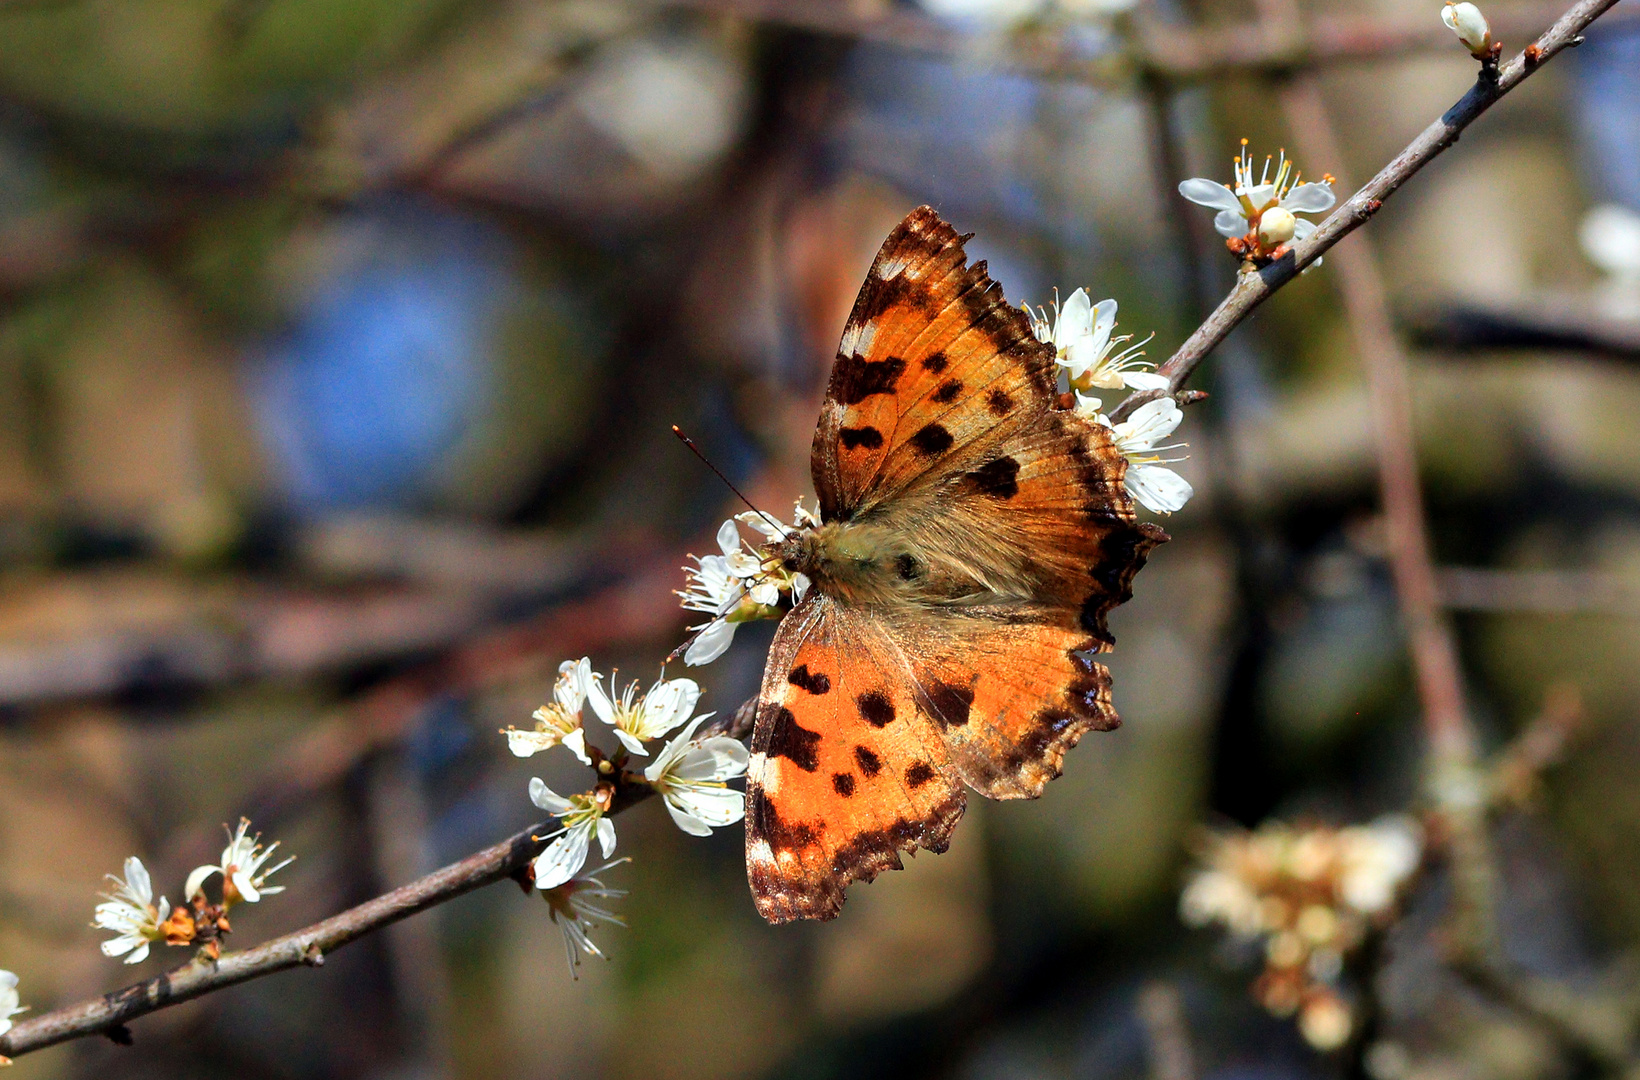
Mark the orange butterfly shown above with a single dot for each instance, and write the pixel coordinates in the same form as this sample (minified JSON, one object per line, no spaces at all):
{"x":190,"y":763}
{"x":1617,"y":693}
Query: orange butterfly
{"x":973,"y":536}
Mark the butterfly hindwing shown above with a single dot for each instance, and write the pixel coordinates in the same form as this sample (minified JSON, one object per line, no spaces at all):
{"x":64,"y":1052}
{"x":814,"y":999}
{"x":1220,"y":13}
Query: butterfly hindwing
{"x":1009,"y":693}
{"x":846,"y":770}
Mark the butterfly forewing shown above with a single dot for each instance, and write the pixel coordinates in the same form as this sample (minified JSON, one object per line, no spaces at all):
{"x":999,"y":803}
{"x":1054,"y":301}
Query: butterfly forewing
{"x":934,"y":366}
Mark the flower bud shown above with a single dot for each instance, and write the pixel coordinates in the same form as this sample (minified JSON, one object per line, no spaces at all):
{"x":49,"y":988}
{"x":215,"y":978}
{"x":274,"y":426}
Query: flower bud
{"x":1470,"y":25}
{"x":1276,"y":226}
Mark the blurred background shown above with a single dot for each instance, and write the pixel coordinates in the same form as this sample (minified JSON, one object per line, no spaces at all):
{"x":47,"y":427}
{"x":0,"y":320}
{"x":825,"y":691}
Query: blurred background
{"x":339,"y":344}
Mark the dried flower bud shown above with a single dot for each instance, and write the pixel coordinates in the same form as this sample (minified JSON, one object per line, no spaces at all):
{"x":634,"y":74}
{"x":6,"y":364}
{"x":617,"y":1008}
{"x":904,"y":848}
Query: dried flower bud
{"x":1470,"y":25}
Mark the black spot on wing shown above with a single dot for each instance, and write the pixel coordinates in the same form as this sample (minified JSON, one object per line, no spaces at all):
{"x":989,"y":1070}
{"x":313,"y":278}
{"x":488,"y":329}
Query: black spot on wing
{"x":854,"y":379}
{"x":792,"y":741}
{"x":935,"y":362}
{"x":875,"y":708}
{"x":854,"y":438}
{"x":948,"y":391}
{"x":999,"y":403}
{"x":949,"y":703}
{"x":919,"y":774}
{"x":843,"y":784}
{"x":817,"y":682}
{"x":998,"y":479}
{"x":870,"y":764}
{"x":932,"y":439}
{"x":879,"y":295}
{"x":781,"y":834}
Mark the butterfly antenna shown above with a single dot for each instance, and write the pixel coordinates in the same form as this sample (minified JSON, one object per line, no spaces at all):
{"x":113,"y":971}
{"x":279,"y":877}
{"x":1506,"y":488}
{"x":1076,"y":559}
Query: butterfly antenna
{"x":690,"y":443}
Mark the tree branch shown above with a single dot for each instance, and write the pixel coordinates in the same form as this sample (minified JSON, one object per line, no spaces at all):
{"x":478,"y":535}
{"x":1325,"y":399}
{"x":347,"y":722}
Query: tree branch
{"x":108,"y":1014}
{"x":1254,"y":287}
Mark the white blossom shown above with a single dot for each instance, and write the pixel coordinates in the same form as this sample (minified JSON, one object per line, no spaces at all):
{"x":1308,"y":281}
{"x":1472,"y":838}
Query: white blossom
{"x":241,"y":868}
{"x":576,"y":906}
{"x":1470,"y":25}
{"x":9,"y":1006}
{"x":558,"y":723}
{"x":692,"y":778}
{"x":131,"y":913}
{"x":1080,"y":333}
{"x":714,"y":590}
{"x":581,"y":817}
{"x":1610,"y":235}
{"x":1156,"y":487}
{"x":1216,"y":896}
{"x":1241,"y":208}
{"x":1376,"y":860}
{"x":667,"y":705}
{"x":739,"y":585}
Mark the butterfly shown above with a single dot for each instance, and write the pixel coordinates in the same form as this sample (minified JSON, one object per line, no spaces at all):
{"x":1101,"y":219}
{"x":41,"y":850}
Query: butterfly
{"x":973,"y":534}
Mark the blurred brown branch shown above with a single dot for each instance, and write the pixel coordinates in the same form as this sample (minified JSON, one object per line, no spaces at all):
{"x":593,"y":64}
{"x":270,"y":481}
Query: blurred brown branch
{"x":430,"y":586}
{"x":1158,"y":49}
{"x":1254,"y":287}
{"x":1549,"y":592}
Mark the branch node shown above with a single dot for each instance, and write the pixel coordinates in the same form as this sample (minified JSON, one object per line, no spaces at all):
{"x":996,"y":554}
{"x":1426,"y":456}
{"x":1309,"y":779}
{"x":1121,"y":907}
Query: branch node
{"x":313,"y":956}
{"x":119,"y":1035}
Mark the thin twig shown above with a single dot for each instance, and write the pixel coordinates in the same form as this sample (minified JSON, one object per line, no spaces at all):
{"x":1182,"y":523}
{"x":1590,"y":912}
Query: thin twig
{"x":1255,"y":287}
{"x":309,"y":946}
{"x":109,"y":1013}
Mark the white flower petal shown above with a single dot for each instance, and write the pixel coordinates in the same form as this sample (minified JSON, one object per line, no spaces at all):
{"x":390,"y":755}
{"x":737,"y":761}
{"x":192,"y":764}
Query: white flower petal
{"x":1075,"y":319}
{"x":1158,"y":489}
{"x":1150,"y":423}
{"x":710,"y":643}
{"x":139,"y":954}
{"x":1210,"y":193}
{"x":601,"y":705}
{"x":715,"y":807}
{"x":1230,"y":224}
{"x":1261,"y":195}
{"x":1304,"y":228}
{"x":136,"y":877}
{"x":1144,"y":380}
{"x":606,"y":836}
{"x":632,"y":743}
{"x":528,"y":743}
{"x":564,"y":857}
{"x":544,"y":797}
{"x":686,"y":821}
{"x":197,"y":879}
{"x":120,"y":946}
{"x":576,"y":743}
{"x":728,"y":538}
{"x":247,"y":888}
{"x":1309,"y":199}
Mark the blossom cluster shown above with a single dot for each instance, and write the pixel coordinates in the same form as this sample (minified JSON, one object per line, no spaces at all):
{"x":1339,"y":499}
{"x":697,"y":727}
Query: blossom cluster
{"x":138,"y":921}
{"x":1310,"y":897}
{"x":1090,"y":354}
{"x":740,"y":584}
{"x":689,"y":772}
